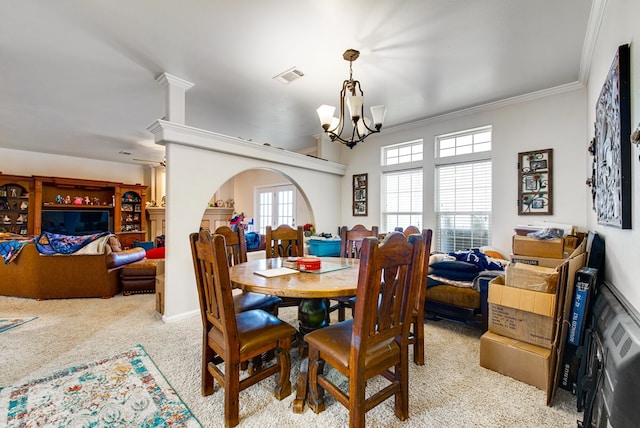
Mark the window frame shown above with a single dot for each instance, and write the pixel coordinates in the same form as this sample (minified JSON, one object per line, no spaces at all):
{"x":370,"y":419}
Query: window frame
{"x":415,"y":162}
{"x":462,"y":159}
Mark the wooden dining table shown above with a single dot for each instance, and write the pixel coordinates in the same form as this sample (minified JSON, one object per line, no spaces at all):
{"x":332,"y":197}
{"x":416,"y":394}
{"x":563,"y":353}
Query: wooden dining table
{"x":337,"y":277}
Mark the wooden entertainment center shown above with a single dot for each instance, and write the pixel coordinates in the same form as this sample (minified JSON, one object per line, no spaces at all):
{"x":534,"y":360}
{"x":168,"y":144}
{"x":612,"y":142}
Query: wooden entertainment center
{"x":25,"y":200}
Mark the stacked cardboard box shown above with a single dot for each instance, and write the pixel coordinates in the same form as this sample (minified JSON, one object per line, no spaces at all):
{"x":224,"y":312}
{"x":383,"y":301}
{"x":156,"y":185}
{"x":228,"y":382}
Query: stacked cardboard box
{"x":526,"y":312}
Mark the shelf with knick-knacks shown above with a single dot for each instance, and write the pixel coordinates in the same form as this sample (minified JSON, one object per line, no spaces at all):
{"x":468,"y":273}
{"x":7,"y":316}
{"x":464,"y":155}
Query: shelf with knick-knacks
{"x":14,"y":205}
{"x":132,"y":210}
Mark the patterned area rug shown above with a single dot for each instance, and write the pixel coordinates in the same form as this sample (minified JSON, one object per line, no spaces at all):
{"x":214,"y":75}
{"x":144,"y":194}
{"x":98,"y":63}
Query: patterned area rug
{"x":126,"y":390}
{"x":9,"y":323}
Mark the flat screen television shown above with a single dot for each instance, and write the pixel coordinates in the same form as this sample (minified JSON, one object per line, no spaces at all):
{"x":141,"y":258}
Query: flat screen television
{"x":77,"y":222}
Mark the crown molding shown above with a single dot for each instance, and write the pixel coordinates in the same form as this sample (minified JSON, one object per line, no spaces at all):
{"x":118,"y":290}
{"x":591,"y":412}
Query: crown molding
{"x":590,"y":38}
{"x":490,"y":106}
{"x":171,"y":80}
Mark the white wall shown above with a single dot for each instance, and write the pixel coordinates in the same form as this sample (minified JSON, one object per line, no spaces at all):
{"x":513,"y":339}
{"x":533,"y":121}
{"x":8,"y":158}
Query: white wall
{"x":555,"y":120}
{"x":619,"y":26}
{"x":247,"y":181}
{"x":19,"y":162}
{"x":198,"y":163}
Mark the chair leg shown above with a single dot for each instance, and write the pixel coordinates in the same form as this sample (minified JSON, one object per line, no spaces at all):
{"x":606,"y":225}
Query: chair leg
{"x":232,"y":395}
{"x":208,"y":356}
{"x":316,"y":392}
{"x":418,"y":346}
{"x":254,"y":366}
{"x":283,"y":378}
{"x":341,"y":312}
{"x":402,"y":396}
{"x":357,"y":403}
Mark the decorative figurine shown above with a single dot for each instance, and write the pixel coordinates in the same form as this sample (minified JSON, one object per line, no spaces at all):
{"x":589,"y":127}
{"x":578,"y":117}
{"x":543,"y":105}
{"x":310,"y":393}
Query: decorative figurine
{"x":59,"y":199}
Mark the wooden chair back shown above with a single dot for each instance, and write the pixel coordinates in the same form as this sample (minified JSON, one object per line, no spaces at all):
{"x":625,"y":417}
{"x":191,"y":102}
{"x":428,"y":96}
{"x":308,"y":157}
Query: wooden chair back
{"x":389,"y":275}
{"x":351,"y":240}
{"x":236,"y":244}
{"x":374,"y":342}
{"x":234,"y":339}
{"x":214,"y":289}
{"x":416,"y":329}
{"x":410,"y":230}
{"x":284,"y":241}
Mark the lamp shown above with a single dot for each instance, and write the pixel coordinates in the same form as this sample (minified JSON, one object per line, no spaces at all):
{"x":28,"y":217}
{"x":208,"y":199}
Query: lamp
{"x":352,"y":95}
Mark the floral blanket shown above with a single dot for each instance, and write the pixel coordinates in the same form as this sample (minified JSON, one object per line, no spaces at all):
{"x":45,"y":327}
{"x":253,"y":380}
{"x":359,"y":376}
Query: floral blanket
{"x":11,"y":244}
{"x":53,"y":243}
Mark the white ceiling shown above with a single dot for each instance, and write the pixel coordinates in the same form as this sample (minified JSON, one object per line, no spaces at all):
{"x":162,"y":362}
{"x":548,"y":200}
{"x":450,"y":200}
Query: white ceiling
{"x":77,"y":77}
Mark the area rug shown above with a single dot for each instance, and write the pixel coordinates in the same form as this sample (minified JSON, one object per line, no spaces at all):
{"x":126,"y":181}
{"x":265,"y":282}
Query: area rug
{"x":9,"y":323}
{"x":126,"y":390}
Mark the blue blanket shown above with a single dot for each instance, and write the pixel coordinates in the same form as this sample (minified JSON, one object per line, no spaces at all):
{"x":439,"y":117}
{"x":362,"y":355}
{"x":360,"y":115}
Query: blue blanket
{"x":54,"y":243}
{"x":476,"y":257}
{"x":11,"y":244}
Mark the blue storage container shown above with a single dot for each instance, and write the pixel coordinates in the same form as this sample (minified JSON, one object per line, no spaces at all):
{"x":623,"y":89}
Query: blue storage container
{"x":324,"y":247}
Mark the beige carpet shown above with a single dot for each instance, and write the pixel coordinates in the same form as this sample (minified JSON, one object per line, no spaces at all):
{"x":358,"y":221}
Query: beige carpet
{"x":450,"y":390}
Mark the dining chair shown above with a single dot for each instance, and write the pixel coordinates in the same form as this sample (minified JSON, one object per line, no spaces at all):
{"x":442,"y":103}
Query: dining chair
{"x":416,"y":329}
{"x":237,"y":253}
{"x":285,"y":241}
{"x":350,"y":247}
{"x":232,"y":338}
{"x":372,"y":344}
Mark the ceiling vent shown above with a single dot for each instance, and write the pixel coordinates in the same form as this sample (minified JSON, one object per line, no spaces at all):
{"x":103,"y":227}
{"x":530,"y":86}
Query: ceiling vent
{"x":289,"y":76}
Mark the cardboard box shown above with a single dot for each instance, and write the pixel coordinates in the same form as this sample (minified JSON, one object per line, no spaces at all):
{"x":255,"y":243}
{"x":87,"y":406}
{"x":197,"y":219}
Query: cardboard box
{"x":522,"y":361}
{"x":547,"y":261}
{"x":524,"y":315}
{"x":537,"y":261}
{"x":527,"y":246}
{"x":534,"y":278}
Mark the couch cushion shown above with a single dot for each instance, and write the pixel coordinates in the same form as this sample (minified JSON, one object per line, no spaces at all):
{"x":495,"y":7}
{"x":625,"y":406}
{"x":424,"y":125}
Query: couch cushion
{"x":121,"y":258}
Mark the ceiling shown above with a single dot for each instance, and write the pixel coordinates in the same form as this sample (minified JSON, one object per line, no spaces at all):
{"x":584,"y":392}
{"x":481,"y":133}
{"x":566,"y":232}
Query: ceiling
{"x":77,"y":77}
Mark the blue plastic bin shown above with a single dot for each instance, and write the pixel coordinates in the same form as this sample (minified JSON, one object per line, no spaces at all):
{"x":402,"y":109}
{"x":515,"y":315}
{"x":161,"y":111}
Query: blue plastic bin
{"x":324,"y":247}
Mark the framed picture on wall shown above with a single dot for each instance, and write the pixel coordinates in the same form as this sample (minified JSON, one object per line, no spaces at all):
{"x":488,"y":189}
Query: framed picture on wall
{"x":360,"y":195}
{"x":535,"y":175}
{"x":612,"y":151}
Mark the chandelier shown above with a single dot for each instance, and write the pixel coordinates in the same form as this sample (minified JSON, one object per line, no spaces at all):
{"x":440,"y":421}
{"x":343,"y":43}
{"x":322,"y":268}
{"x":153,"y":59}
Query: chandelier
{"x":360,"y":127}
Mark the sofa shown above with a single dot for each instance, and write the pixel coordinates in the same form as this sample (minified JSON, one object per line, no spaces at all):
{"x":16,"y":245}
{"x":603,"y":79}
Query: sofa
{"x":60,"y":276}
{"x":458,"y":283}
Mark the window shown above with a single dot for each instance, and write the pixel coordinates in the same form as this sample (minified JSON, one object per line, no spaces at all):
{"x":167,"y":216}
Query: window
{"x":276,"y":206}
{"x":402,"y":186}
{"x":463,"y":190}
{"x":402,"y":199}
{"x":466,"y":142}
{"x":402,"y":153}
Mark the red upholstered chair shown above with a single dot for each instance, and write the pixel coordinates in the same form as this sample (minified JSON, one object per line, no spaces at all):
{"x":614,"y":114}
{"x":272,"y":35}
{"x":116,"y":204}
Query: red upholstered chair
{"x":234,"y":338}
{"x":373,"y":344}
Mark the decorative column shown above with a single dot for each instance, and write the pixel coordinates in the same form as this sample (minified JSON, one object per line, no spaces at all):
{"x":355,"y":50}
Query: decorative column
{"x":175,"y":104}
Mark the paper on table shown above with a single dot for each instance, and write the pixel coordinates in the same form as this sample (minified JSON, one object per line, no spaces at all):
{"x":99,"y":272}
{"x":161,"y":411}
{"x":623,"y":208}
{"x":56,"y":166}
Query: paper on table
{"x":275,"y":272}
